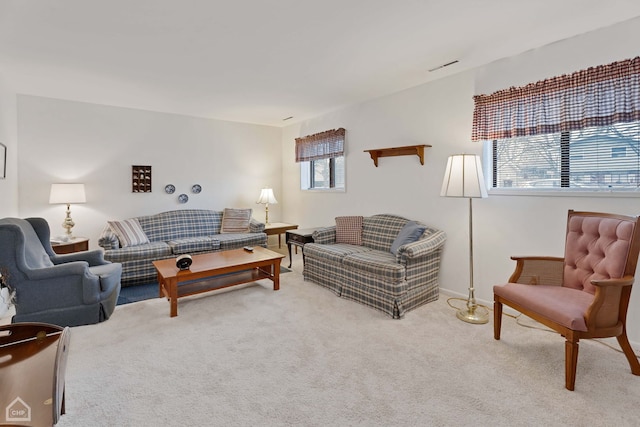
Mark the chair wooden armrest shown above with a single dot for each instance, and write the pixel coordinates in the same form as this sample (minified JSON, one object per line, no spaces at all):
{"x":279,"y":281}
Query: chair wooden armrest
{"x":538,"y":270}
{"x":602,"y":316}
{"x":623,"y":281}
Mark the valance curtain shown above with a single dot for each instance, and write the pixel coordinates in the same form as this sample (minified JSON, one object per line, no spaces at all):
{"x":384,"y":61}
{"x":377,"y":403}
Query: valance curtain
{"x":323,"y":145}
{"x":597,"y":96}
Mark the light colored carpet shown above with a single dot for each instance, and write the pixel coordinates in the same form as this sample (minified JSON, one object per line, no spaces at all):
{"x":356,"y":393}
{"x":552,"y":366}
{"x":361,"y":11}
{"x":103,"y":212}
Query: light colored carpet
{"x":301,"y":356}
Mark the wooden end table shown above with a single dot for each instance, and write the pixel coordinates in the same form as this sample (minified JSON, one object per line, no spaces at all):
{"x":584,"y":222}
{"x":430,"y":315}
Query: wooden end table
{"x":278,"y":228}
{"x":77,"y":244}
{"x":299,"y":238}
{"x":216,"y":270}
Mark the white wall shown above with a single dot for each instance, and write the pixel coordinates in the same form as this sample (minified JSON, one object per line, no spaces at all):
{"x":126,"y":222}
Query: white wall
{"x":440,"y":113}
{"x":67,"y":141}
{"x":8,"y":131}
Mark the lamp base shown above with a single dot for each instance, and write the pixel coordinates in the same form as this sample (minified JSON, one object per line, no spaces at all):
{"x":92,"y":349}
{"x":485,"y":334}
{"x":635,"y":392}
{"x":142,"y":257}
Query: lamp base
{"x":472,"y":316}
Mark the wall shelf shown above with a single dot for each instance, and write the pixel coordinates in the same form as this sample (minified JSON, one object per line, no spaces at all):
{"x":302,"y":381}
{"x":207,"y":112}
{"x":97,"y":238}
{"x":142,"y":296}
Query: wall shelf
{"x":408,"y":150}
{"x":141,"y":179}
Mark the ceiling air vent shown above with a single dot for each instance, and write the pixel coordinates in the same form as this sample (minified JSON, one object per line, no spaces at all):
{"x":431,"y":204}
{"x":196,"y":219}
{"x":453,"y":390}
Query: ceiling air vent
{"x":443,"y":65}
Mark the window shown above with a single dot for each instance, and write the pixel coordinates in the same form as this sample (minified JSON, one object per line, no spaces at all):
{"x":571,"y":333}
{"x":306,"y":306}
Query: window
{"x":595,"y":158}
{"x":574,"y":132}
{"x":321,"y":158}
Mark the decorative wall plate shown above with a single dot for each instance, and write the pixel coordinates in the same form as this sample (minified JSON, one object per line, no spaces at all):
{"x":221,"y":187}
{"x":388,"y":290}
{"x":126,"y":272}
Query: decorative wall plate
{"x":169,"y":189}
{"x":183,"y":198}
{"x":196,"y":189}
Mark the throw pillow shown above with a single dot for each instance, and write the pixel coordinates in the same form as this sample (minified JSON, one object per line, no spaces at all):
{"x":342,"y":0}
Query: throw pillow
{"x":410,"y":233}
{"x":349,"y":230}
{"x":129,"y":232}
{"x":235,"y":220}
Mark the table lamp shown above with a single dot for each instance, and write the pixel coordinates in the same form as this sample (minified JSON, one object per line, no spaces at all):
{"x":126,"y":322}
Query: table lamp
{"x":67,"y":194}
{"x":266,"y":197}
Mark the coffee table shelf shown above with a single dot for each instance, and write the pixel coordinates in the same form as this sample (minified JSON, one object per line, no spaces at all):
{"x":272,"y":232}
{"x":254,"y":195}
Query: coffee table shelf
{"x":212,"y":284}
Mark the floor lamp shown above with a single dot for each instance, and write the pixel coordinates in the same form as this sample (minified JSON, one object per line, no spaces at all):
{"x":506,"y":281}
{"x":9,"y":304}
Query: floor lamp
{"x":463,"y":178}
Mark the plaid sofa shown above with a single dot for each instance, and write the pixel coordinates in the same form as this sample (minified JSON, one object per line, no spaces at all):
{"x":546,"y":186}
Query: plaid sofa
{"x":370,"y":274}
{"x":173,"y":233}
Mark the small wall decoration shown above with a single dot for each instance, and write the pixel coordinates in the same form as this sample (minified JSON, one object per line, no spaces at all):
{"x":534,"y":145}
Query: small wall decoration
{"x":3,"y":161}
{"x":196,"y":189}
{"x":170,"y":189}
{"x":183,"y":198}
{"x":141,"y":179}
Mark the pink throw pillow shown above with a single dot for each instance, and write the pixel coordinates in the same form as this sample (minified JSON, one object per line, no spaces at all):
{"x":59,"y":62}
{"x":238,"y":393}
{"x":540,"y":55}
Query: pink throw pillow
{"x":349,"y":230}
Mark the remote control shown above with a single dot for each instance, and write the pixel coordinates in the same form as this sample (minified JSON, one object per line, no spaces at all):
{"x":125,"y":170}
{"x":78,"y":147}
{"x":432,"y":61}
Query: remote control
{"x":248,"y":248}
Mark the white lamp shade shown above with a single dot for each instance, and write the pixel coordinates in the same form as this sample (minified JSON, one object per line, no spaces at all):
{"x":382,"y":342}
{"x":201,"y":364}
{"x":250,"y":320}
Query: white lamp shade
{"x":463,"y":177}
{"x":267,"y":197}
{"x":67,"y":193}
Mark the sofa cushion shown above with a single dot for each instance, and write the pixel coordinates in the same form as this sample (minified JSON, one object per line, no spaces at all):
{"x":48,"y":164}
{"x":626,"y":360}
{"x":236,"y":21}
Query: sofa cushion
{"x":129,"y":232}
{"x":349,"y":230}
{"x":410,"y":233}
{"x":193,"y":244}
{"x":235,"y":220}
{"x":238,"y":240}
{"x":376,"y":263}
{"x":149,"y":251}
{"x":179,"y":224}
{"x":334,"y":253}
{"x":379,"y":231}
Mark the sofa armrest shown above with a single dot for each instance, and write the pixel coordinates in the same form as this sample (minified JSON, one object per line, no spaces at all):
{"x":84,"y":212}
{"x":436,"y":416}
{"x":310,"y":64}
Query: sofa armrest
{"x":325,"y":236}
{"x":108,"y":239}
{"x":256,"y":226}
{"x":77,"y":268}
{"x":94,"y":257}
{"x":431,"y":241}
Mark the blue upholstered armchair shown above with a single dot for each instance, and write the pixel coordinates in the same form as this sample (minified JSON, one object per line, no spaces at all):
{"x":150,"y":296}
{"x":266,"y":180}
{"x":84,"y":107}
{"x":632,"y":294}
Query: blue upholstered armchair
{"x":66,"y":290}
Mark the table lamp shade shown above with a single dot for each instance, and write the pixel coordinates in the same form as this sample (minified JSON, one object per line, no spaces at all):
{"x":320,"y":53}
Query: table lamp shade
{"x":67,"y":194}
{"x":266,"y":196}
{"x":463,"y":177}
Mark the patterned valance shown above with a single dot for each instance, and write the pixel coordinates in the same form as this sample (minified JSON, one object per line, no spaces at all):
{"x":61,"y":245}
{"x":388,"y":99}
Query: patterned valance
{"x":323,"y":145}
{"x":597,"y":96}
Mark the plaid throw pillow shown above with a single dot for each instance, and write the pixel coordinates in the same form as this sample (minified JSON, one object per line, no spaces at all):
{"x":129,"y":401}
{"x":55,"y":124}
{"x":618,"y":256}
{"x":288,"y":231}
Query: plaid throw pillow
{"x":129,"y":232}
{"x":349,"y":230}
{"x":235,"y":220}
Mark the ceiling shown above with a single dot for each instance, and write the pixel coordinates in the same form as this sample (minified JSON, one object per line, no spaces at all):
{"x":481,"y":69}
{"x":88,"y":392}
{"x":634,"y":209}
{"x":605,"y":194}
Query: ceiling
{"x":262,"y":61}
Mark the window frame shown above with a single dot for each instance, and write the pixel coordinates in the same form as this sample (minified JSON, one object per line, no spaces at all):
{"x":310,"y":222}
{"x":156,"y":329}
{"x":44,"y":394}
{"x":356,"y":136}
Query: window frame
{"x":307,"y":176}
{"x":491,"y":152}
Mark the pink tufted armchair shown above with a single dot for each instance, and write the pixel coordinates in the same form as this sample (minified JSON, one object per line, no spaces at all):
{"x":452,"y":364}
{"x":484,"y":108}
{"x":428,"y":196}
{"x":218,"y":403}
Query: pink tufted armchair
{"x":586,"y":293}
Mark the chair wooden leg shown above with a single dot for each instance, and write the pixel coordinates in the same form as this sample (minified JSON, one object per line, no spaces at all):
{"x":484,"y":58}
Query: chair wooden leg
{"x":628,"y":351}
{"x":571,"y":363}
{"x":497,"y":319}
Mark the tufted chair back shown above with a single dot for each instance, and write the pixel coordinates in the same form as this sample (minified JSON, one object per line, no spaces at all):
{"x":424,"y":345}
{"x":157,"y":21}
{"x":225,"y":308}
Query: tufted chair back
{"x":596,"y":248}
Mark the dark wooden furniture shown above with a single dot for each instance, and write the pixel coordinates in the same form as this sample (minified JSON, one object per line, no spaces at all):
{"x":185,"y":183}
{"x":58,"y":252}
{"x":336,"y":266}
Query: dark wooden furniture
{"x":140,"y":179}
{"x":77,"y":244}
{"x":299,"y":238}
{"x":408,"y":150}
{"x":33,"y":360}
{"x":278,"y":228}
{"x":584,"y":294}
{"x":216,"y":270}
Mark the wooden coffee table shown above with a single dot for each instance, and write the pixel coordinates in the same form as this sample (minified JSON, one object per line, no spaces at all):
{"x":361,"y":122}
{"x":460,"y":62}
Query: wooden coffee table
{"x":216,"y":270}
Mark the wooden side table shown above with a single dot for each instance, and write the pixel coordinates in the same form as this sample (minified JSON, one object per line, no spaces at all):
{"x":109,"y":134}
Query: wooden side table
{"x":299,"y":238}
{"x":278,"y":228}
{"x":77,"y":244}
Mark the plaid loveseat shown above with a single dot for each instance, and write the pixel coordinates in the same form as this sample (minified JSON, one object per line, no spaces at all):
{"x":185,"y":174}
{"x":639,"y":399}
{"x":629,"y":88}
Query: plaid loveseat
{"x":173,"y":233}
{"x":370,"y":273}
